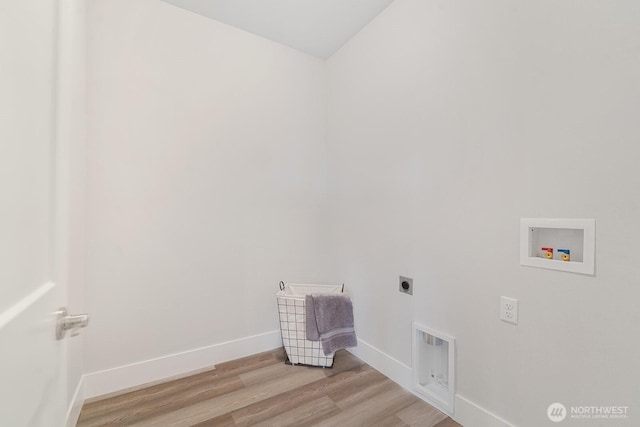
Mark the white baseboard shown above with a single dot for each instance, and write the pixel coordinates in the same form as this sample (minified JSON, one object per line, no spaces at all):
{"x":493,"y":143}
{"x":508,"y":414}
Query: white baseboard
{"x":473,"y":415}
{"x":466,"y":413}
{"x":132,"y":375}
{"x":73,"y":412}
{"x":397,"y":371}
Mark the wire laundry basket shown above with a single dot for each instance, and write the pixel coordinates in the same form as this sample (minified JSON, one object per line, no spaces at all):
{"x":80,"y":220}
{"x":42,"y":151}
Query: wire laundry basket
{"x":293,"y":325}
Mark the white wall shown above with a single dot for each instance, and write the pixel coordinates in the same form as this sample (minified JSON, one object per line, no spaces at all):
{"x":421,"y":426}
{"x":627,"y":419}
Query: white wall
{"x":448,"y":122}
{"x":206,"y":181}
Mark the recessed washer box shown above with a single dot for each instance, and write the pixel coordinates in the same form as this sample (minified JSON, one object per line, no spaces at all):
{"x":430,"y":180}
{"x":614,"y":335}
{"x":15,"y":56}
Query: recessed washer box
{"x":434,"y":367}
{"x":558,"y":244}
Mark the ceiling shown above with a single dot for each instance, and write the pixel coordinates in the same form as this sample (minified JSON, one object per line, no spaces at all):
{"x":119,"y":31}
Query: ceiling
{"x":316,"y":27}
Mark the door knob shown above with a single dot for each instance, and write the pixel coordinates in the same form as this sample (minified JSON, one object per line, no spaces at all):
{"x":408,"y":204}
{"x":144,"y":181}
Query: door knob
{"x":67,"y":322}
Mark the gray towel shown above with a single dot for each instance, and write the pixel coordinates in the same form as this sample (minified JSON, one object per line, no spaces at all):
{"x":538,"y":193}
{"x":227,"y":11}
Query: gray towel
{"x":329,"y":319}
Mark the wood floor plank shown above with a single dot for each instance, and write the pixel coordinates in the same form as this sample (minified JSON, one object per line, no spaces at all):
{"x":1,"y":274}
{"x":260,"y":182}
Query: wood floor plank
{"x":448,"y":423}
{"x":268,"y":373}
{"x":291,"y":378}
{"x":171,"y":399}
{"x":225,"y":420}
{"x":390,"y":421}
{"x":303,"y":415}
{"x":357,"y":385}
{"x":224,"y":377}
{"x":346,"y":398}
{"x":261,"y":390}
{"x":417,"y":415}
{"x":268,"y":408}
{"x":389,"y":399}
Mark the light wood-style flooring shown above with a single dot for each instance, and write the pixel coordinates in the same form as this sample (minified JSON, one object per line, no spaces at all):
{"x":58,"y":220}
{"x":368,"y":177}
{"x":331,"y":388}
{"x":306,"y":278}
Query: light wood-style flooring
{"x":262,"y":390}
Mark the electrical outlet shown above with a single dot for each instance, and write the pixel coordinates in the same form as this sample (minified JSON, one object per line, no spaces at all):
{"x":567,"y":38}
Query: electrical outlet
{"x":405,"y":285}
{"x":509,"y":310}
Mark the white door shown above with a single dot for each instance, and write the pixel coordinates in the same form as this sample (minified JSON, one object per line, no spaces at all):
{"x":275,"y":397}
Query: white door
{"x":32,"y":362}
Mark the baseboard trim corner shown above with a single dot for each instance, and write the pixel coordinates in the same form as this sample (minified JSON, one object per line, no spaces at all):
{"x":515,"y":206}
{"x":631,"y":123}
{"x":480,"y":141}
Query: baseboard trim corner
{"x":124,"y":377}
{"x":392,"y":368}
{"x":75,"y":406}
